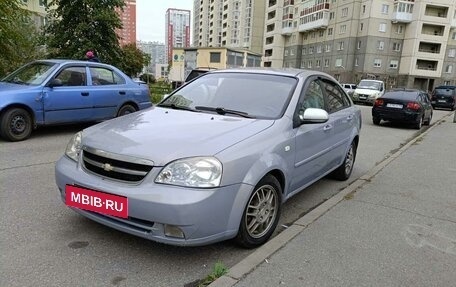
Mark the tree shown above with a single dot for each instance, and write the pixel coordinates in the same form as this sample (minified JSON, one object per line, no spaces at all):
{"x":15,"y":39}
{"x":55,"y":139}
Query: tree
{"x":134,"y":60}
{"x":18,"y":36}
{"x":79,"y":25}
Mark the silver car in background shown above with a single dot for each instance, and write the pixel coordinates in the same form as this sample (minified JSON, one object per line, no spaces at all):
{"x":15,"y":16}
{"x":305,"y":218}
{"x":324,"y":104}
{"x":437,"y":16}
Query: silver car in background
{"x":216,"y":159}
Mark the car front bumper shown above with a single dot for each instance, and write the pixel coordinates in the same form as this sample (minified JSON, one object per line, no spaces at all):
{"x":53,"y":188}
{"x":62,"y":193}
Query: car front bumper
{"x":203,"y":215}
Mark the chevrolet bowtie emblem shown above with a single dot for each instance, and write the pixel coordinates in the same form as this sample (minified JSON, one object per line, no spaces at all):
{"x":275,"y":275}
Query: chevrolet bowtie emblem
{"x":107,"y":167}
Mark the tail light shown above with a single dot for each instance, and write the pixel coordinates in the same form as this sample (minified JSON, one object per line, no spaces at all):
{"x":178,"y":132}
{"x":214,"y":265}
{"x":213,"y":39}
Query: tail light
{"x":378,"y":102}
{"x":413,"y":106}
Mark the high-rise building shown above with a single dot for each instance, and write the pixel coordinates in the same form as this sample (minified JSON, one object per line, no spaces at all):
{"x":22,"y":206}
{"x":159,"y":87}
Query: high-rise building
{"x":229,"y":23}
{"x":406,"y":43}
{"x":38,"y":9}
{"x":177,"y":32}
{"x":128,"y":17}
{"x":157,"y":54}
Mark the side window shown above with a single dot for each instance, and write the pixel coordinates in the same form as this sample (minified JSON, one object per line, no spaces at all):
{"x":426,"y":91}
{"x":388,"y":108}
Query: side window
{"x":336,"y":98}
{"x":103,"y":76}
{"x":72,"y":76}
{"x":313,"y":96}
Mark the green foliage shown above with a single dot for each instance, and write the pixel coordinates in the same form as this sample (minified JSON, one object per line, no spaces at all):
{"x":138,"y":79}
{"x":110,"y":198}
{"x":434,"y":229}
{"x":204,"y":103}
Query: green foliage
{"x":78,"y":25}
{"x":18,"y":36}
{"x":133,"y":60}
{"x":158,"y":90}
{"x":148,"y":78}
{"x":218,"y":271}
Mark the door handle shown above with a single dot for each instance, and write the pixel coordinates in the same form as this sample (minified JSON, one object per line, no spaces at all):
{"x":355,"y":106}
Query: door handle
{"x":122,"y":92}
{"x":85,"y":94}
{"x":327,"y":127}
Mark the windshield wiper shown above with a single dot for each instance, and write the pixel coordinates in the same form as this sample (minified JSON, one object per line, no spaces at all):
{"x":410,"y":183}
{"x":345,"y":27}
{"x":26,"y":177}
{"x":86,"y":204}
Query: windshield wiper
{"x":175,"y":107}
{"x":223,"y":111}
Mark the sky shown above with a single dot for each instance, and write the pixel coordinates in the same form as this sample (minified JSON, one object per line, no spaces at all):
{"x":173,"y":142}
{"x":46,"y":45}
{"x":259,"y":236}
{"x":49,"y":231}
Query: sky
{"x":150,"y":17}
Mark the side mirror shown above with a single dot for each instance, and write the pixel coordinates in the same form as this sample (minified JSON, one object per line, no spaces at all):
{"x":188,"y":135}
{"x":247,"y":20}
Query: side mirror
{"x":313,"y":116}
{"x":55,"y":83}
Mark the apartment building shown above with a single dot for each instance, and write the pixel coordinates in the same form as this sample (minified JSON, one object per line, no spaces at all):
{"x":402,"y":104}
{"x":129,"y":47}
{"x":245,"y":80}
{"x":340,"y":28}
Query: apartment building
{"x":406,"y":43}
{"x":127,"y":34}
{"x":156,"y":51}
{"x":38,"y":9}
{"x":177,"y":32}
{"x":229,"y":23}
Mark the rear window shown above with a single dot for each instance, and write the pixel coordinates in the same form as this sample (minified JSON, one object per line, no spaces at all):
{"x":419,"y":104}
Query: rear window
{"x":444,"y":92}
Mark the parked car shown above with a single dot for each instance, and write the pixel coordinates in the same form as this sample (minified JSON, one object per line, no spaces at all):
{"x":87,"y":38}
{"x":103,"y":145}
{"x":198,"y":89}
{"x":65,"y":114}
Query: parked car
{"x":349,"y":88}
{"x":50,"y":92}
{"x":216,"y":159}
{"x":405,"y":106}
{"x":444,"y":97}
{"x":368,"y":91}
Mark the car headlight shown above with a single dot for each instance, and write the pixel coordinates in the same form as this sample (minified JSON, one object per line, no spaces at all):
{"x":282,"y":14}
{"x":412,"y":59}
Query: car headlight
{"x":192,"y":172}
{"x":74,"y":147}
{"x":355,"y":94}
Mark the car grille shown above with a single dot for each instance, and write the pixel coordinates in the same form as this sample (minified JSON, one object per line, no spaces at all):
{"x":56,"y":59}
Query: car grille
{"x":115,"y":166}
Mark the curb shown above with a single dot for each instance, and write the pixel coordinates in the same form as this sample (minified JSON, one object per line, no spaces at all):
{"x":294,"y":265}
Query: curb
{"x":248,"y":264}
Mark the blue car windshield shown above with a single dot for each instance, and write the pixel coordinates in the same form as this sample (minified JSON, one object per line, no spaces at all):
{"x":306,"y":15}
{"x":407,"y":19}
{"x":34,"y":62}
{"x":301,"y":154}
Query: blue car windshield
{"x":251,"y":95}
{"x":32,"y":74}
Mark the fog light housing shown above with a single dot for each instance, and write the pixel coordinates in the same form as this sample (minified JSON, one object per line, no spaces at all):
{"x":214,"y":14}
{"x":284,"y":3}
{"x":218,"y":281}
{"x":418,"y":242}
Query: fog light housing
{"x":173,"y":231}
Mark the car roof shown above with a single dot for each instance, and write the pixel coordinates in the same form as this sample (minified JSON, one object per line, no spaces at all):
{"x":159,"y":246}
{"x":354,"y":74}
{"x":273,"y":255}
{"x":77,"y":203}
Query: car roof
{"x":446,"y":87}
{"x":406,"y":94}
{"x":69,"y":61}
{"x":291,"y":72}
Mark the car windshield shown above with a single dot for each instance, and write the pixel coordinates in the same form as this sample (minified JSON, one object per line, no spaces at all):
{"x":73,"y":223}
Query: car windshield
{"x":371,"y":85}
{"x":235,"y":94}
{"x":31,"y":74}
{"x":444,"y":92}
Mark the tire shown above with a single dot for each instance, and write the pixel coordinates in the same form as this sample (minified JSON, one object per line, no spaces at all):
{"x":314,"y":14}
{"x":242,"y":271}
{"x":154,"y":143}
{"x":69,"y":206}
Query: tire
{"x":419,"y":123}
{"x":16,"y":124}
{"x":428,"y":122}
{"x":125,"y":110}
{"x":376,"y":121}
{"x":344,"y":171}
{"x":261,"y":213}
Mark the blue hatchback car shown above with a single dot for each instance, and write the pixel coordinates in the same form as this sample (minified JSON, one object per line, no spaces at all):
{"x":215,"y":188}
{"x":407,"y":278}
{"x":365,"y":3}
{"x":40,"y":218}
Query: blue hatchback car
{"x":50,"y":92}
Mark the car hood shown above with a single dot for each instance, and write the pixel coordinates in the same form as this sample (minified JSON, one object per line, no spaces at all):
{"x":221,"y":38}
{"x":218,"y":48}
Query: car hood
{"x":367,"y":91}
{"x":163,"y":135}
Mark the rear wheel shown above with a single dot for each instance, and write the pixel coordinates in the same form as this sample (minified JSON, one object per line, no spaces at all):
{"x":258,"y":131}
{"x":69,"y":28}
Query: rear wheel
{"x":428,"y":121}
{"x":376,"y":120}
{"x":419,"y":123}
{"x":261,"y":214}
{"x":16,"y":124}
{"x":125,"y":110}
{"x":344,"y":171}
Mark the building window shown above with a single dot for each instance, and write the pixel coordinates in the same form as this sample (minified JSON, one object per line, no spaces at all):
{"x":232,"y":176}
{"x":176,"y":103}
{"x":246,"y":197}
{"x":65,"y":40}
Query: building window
{"x":452,"y":53}
{"x":331,"y":15}
{"x":326,"y":62}
{"x":394,"y":64}
{"x":318,"y":63}
{"x":291,"y":52}
{"x":446,"y":83}
{"x":330,"y":31}
{"x":343,"y":29}
{"x":356,"y":62}
{"x":309,"y":64}
{"x":286,"y":53}
{"x":303,"y":64}
{"x":453,"y":36}
{"x":377,"y":63}
{"x":397,"y":47}
{"x":344,"y":12}
{"x":328,"y":48}
{"x":382,"y":27}
{"x":304,"y":51}
{"x":361,"y":26}
{"x":381,"y":45}
{"x":358,"y":45}
{"x":319,"y":49}
{"x":322,"y":33}
{"x":400,"y":29}
{"x":311,"y":50}
{"x":215,"y":57}
{"x":340,"y":46}
{"x":338,"y":62}
{"x":385,"y":9}
{"x":364,"y":9}
{"x":449,"y":69}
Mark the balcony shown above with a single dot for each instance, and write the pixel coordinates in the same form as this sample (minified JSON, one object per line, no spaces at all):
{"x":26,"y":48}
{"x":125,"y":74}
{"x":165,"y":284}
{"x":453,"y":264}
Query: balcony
{"x":429,"y":48}
{"x":402,"y":17}
{"x":318,"y":20}
{"x":425,"y":65}
{"x":287,"y":27}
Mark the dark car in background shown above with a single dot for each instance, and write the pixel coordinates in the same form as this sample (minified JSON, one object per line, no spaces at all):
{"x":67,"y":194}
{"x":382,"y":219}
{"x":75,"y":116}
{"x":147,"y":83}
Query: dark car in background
{"x":51,"y":92}
{"x":404,"y":106}
{"x":444,"y":97}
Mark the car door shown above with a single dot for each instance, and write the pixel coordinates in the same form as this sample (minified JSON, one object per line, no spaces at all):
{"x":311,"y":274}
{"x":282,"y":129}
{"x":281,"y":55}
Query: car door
{"x":312,"y":141}
{"x":69,"y":102}
{"x":343,"y":120}
{"x":426,"y":103}
{"x":108,"y":91}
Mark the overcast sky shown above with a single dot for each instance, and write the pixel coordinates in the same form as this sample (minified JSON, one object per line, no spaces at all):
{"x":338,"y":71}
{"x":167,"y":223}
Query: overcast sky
{"x":150,"y":17}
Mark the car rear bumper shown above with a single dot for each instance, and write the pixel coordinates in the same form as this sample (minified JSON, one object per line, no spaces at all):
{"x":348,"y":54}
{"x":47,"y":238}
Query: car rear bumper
{"x":203,"y":215}
{"x":396,"y":115}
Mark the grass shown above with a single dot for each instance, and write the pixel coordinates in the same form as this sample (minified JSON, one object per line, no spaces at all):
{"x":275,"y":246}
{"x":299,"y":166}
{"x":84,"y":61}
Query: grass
{"x":218,"y":271}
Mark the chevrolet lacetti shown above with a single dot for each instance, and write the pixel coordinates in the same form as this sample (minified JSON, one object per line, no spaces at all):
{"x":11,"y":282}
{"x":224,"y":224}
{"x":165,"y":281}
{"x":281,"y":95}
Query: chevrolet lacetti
{"x":214,"y":160}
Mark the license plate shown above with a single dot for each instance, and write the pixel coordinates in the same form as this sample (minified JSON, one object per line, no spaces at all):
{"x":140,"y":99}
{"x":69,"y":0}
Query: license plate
{"x":362,"y":97}
{"x":442,"y":101}
{"x":396,"y":106}
{"x":96,"y":201}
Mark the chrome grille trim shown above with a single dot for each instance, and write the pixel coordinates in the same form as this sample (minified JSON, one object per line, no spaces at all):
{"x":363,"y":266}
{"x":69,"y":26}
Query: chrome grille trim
{"x":118,"y":156}
{"x":116,"y":169}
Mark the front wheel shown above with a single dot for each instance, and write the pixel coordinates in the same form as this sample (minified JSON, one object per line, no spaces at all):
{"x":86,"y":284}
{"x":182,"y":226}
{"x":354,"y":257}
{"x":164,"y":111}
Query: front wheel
{"x":16,"y":125}
{"x":261,"y":214}
{"x":125,"y":110}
